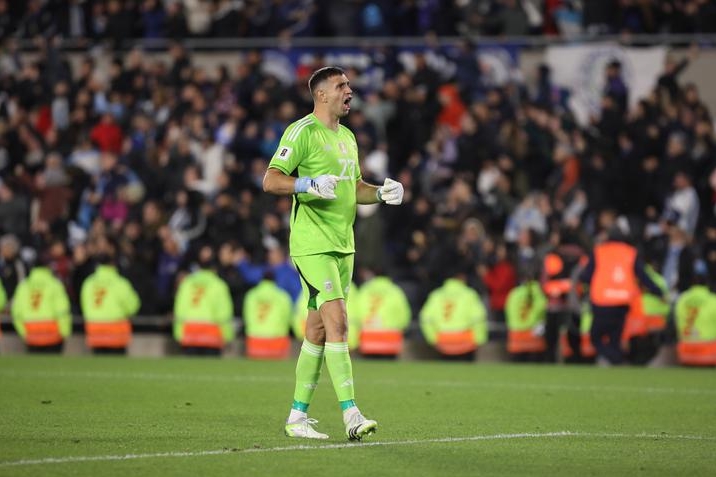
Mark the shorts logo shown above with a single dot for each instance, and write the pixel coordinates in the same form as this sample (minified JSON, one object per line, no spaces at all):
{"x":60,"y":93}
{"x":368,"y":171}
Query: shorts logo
{"x":328,"y":285}
{"x":284,"y":153}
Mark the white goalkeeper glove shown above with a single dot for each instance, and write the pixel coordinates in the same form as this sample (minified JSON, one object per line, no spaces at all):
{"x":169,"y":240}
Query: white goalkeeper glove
{"x":391,"y":192}
{"x":322,"y":186}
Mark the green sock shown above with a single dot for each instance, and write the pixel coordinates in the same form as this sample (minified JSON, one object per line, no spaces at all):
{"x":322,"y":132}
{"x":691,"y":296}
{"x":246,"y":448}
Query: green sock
{"x":308,"y":370}
{"x":339,"y":366}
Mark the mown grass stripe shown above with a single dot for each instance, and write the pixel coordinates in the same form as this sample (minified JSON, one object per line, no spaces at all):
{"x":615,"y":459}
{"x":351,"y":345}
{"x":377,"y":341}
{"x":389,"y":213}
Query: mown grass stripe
{"x":289,"y":379}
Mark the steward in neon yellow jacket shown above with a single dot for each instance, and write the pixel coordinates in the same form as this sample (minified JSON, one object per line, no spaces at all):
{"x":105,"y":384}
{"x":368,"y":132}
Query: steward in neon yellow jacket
{"x":204,"y":297}
{"x":41,"y":300}
{"x":526,"y":307}
{"x":382,"y":305}
{"x":107,"y":296}
{"x":696,"y":315}
{"x":453,"y":307}
{"x":268,"y":310}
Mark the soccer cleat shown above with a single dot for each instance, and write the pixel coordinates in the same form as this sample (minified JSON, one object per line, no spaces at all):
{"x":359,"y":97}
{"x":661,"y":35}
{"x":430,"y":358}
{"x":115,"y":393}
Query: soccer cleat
{"x":304,"y":428}
{"x":358,"y":426}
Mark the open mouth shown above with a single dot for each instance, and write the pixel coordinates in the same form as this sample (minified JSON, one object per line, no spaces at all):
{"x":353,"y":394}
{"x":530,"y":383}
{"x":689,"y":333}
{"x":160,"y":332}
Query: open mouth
{"x":347,"y":103}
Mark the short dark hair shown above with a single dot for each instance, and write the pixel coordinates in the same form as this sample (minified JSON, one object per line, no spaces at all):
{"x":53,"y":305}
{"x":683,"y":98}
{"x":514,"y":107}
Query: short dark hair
{"x":322,"y":74}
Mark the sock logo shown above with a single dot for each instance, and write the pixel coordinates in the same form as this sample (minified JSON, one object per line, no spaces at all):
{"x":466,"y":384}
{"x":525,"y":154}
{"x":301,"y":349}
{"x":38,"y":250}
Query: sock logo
{"x":346,"y":383}
{"x":310,"y":385}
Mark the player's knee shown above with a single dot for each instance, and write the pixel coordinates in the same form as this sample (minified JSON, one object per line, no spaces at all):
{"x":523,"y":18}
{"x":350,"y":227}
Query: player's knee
{"x":316,"y":335}
{"x":335,"y":320}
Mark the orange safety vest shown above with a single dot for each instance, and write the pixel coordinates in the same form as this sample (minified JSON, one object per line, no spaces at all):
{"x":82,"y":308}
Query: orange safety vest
{"x":614,"y":282}
{"x":268,"y":348}
{"x":557,"y":274}
{"x":636,"y":321}
{"x":42,"y":333}
{"x":381,"y":342}
{"x":695,"y":353}
{"x":525,"y":341}
{"x":456,"y":342}
{"x":202,"y":335}
{"x":116,"y":334}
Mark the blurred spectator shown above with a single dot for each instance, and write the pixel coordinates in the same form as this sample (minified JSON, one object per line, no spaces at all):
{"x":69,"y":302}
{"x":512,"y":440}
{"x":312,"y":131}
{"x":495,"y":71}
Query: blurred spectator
{"x":683,"y":203}
{"x":500,"y":278}
{"x":13,"y":268}
{"x":14,"y":210}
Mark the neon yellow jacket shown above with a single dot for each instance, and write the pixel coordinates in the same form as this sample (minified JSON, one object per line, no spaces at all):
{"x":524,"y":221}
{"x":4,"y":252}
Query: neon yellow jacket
{"x":694,"y":322}
{"x":382,"y":305}
{"x":526,"y":307}
{"x":203,"y":297}
{"x":267,"y":311}
{"x":453,"y":307}
{"x":300,"y":314}
{"x":41,"y":297}
{"x":107,"y":296}
{"x":3,"y":297}
{"x":586,"y":319}
{"x":655,"y":305}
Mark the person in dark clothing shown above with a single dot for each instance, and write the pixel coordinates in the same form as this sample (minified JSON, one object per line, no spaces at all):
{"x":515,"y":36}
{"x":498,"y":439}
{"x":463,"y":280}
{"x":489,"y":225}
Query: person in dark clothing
{"x":558,"y":267}
{"x":13,"y":268}
{"x":615,"y":87}
{"x":668,"y":81}
{"x":613,"y":272}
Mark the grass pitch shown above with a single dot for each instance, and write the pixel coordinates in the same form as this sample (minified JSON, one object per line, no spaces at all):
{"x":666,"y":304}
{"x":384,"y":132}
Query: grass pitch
{"x":102,"y":416}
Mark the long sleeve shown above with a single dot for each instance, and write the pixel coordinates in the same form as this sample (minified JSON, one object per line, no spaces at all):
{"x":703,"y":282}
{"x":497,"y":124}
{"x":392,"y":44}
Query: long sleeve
{"x":479,"y":327}
{"x":427,"y":320}
{"x":131,"y":301}
{"x":224,"y":310}
{"x":644,"y":278}
{"x":62,"y":309}
{"x":18,"y":311}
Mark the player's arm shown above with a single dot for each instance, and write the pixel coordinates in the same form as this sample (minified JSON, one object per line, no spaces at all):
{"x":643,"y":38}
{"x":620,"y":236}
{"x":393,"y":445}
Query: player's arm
{"x":366,"y":193}
{"x":276,"y":182}
{"x":391,"y":192}
{"x":279,"y":183}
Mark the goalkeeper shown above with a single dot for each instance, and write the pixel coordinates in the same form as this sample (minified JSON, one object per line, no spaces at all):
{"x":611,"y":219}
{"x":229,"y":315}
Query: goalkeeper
{"x":317,"y":162}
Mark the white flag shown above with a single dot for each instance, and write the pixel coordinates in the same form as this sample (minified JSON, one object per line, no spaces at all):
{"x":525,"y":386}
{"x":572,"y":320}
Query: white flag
{"x":580,"y":69}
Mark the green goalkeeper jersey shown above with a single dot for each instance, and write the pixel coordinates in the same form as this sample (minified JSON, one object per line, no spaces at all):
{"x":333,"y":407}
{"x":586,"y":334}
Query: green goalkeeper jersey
{"x":309,"y":148}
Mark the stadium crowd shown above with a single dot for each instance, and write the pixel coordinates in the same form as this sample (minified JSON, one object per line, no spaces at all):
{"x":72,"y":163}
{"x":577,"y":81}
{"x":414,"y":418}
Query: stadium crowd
{"x":116,"y":20}
{"x":164,"y":157}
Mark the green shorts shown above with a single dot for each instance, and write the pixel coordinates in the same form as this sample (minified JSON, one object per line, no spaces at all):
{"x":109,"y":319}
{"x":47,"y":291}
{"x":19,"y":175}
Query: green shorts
{"x":325,"y":276}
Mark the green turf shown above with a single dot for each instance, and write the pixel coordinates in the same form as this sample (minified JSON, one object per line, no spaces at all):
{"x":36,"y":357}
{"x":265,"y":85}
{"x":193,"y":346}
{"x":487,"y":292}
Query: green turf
{"x":441,"y":419}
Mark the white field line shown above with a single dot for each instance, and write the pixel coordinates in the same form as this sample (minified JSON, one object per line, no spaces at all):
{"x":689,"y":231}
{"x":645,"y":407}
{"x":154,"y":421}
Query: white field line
{"x":243,"y":378}
{"x":297,"y":448}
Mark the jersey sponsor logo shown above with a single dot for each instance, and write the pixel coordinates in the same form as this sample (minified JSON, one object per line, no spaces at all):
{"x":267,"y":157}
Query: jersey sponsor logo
{"x":283,"y":153}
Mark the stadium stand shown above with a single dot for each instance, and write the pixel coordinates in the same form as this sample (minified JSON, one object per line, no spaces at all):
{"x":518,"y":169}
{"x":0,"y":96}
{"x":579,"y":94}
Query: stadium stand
{"x":149,"y":124}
